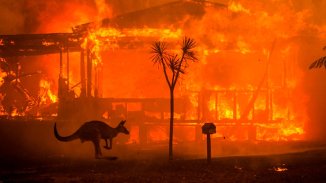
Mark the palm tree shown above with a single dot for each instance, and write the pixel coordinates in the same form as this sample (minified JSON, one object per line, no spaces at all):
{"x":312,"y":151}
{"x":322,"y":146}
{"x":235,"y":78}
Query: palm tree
{"x":173,"y":65}
{"x":319,"y":63}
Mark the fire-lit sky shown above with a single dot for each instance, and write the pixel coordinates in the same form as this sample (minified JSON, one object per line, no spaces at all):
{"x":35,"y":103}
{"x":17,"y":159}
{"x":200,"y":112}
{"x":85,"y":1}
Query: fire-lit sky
{"x":234,"y":45}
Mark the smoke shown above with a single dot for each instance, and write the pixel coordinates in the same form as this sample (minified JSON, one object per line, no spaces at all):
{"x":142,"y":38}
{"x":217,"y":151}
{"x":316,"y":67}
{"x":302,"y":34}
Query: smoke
{"x":29,"y":16}
{"x":11,"y":18}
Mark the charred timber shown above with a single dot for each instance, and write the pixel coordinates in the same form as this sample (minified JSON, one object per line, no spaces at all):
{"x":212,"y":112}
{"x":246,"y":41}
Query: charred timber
{"x":41,"y":44}
{"x":38,"y":44}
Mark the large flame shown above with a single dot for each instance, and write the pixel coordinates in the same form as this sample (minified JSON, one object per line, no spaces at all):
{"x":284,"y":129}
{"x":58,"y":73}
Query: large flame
{"x":46,"y":94}
{"x":235,"y":46}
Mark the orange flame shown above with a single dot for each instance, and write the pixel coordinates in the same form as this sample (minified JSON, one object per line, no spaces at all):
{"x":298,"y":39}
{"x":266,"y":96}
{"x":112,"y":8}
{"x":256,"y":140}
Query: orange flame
{"x":237,"y":7}
{"x":48,"y":96}
{"x":242,"y":37}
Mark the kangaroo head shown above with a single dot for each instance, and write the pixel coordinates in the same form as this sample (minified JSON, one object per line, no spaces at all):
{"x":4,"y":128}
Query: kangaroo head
{"x":121,"y":128}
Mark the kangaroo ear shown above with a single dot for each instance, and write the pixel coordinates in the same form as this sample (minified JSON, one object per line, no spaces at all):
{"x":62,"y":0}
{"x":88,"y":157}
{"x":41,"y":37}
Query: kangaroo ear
{"x":122,"y":122}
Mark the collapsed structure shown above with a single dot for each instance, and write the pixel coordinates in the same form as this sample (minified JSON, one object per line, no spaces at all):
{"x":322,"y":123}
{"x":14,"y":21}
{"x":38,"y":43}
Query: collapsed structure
{"x":261,"y":107}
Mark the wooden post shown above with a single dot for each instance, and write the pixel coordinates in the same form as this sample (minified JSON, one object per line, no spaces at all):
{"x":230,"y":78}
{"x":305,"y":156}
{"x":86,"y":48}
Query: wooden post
{"x":82,"y":74}
{"x":61,"y":64}
{"x":89,"y":73}
{"x":216,"y":106}
{"x":60,"y":88}
{"x":209,"y":155}
{"x":68,"y":68}
{"x":208,"y":129}
{"x":199,"y":105}
{"x":96,"y":82}
{"x":100,"y":80}
{"x":235,"y":105}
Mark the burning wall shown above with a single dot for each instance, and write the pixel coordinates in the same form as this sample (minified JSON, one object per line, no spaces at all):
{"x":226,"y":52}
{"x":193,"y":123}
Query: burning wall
{"x":235,"y":45}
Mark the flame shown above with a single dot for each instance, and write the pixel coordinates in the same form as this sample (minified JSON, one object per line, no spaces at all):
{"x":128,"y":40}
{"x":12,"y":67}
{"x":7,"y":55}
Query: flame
{"x":279,"y":169}
{"x":101,"y":39}
{"x":237,"y":7}
{"x":243,"y":47}
{"x":45,"y":43}
{"x":234,"y":49}
{"x":2,"y":76}
{"x":47,"y":96}
{"x":15,"y":113}
{"x":163,"y":34}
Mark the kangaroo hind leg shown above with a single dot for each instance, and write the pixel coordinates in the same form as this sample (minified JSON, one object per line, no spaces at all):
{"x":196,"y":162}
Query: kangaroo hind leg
{"x":106,"y":144}
{"x":97,"y":148}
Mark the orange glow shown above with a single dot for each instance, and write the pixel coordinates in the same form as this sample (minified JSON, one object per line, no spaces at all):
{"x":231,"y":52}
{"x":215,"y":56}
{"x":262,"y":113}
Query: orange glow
{"x":237,"y":46}
{"x":134,"y":135}
{"x":279,"y":169}
{"x":158,"y":133}
{"x":237,"y":7}
{"x":15,"y":113}
{"x":103,"y":39}
{"x":47,"y":96}
{"x":44,"y":43}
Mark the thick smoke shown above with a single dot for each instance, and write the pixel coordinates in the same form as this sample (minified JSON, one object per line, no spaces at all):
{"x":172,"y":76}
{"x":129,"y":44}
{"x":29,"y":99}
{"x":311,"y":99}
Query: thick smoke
{"x":29,"y":16}
{"x":12,"y":19}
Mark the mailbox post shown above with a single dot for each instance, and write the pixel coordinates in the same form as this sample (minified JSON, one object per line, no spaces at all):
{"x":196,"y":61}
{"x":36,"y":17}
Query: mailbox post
{"x":208,"y":129}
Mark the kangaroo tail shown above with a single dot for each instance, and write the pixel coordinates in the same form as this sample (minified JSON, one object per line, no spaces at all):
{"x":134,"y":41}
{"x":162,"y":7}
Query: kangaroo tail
{"x":64,"y":139}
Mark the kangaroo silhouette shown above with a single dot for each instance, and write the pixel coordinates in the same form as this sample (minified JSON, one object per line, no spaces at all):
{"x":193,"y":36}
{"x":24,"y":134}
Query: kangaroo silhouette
{"x":94,"y":131}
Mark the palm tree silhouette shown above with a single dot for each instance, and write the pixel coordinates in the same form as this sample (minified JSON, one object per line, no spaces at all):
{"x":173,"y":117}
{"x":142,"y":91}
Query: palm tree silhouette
{"x":173,"y":65}
{"x":319,"y":62}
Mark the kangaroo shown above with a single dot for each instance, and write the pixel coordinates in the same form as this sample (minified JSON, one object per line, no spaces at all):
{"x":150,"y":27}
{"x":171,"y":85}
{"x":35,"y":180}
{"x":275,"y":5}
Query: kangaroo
{"x":94,"y":131}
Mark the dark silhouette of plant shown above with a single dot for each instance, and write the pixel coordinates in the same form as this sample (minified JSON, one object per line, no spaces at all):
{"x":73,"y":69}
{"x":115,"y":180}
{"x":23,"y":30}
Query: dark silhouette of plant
{"x":319,"y":63}
{"x":173,"y":65}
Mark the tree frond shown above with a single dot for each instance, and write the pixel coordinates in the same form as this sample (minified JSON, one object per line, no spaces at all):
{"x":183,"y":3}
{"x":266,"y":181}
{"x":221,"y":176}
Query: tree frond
{"x":159,"y":52}
{"x":173,"y":62}
{"x":191,"y":56}
{"x":318,"y":63}
{"x":187,"y":45}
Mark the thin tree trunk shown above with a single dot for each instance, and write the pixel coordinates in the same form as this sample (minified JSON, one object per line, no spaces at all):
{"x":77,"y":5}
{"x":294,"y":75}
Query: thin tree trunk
{"x":171,"y":123}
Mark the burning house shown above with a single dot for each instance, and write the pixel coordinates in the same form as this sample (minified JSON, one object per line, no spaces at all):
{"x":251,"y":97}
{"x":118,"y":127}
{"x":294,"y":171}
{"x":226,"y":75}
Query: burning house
{"x":247,"y":81}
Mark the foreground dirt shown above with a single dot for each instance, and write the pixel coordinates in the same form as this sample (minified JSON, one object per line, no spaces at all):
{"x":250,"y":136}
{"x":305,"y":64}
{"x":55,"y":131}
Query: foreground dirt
{"x":308,"y":166}
{"x":30,"y":153}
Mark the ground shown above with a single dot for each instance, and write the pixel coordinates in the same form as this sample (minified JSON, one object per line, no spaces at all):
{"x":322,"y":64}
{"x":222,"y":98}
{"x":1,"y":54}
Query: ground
{"x":30,"y":153}
{"x":306,"y":166}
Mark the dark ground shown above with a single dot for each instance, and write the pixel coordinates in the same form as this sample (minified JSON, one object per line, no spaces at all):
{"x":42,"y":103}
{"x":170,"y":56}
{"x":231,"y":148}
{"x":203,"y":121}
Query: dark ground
{"x":30,"y":153}
{"x":308,"y":166}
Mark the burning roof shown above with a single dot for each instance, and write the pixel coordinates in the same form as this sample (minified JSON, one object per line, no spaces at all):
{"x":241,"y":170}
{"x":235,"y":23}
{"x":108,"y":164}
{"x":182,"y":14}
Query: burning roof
{"x":172,"y":15}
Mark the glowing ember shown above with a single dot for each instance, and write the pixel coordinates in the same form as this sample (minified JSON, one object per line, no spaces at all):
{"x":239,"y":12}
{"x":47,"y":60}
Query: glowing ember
{"x":279,"y":169}
{"x":45,"y":43}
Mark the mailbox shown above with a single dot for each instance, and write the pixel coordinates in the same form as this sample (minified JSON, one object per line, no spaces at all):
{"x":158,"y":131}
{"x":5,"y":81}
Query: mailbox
{"x":208,"y":128}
